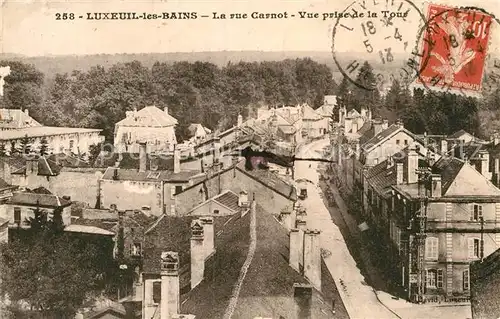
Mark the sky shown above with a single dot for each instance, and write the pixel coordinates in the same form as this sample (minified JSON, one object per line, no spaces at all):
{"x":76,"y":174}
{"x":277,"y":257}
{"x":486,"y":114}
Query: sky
{"x":30,"y":27}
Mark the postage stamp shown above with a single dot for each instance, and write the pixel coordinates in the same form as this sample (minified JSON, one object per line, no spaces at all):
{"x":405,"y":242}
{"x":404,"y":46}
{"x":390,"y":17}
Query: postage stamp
{"x":385,"y":31}
{"x":455,"y":48}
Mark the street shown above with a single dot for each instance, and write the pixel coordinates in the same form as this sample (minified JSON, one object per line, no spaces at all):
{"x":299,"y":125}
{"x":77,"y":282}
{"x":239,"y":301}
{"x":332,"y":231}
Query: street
{"x":336,"y":225}
{"x":359,"y":299}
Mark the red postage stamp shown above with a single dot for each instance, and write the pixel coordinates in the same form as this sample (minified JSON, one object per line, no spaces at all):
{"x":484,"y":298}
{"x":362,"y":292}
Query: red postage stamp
{"x":455,"y":47}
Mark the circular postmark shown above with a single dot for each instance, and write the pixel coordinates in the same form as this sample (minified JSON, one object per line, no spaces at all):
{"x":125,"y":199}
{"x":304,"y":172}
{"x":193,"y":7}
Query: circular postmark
{"x":454,"y":42}
{"x":381,"y":33}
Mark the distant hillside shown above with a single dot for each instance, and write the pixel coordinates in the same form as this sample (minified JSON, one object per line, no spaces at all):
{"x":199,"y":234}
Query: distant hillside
{"x":51,"y":65}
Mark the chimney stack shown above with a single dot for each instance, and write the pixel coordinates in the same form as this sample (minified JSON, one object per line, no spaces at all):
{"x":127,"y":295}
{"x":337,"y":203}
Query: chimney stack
{"x":240,"y":120}
{"x":243,"y":199}
{"x":444,"y":147}
{"x":495,"y":138}
{"x":177,"y":160}
{"x":216,"y":147}
{"x":354,"y":126}
{"x":27,"y":112}
{"x":288,"y":217}
{"x":312,"y":257}
{"x":302,"y":294}
{"x":301,"y":225}
{"x":485,"y":163}
{"x":377,"y":127}
{"x":295,"y":239}
{"x":143,"y":157}
{"x":165,"y":109}
{"x":435,"y":185}
{"x":399,"y":173}
{"x":32,"y":166}
{"x":170,"y":289}
{"x":197,"y":252}
{"x":208,"y":231}
{"x":385,"y":124}
{"x":412,"y":165}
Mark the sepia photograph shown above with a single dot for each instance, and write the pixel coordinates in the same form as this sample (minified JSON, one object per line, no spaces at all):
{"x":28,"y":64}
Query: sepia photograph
{"x":261,"y":159}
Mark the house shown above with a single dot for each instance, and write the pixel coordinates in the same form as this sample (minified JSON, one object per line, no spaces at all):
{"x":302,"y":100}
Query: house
{"x":485,"y":282}
{"x":442,"y":216}
{"x":13,"y":119}
{"x":197,"y":131}
{"x":463,"y":137}
{"x":241,"y":266}
{"x":22,"y":205}
{"x":150,"y":125}
{"x":142,"y":188}
{"x":273,"y":191}
{"x":313,"y":123}
{"x":327,"y":111}
{"x":61,"y":174}
{"x":352,"y":121}
{"x":6,"y":190}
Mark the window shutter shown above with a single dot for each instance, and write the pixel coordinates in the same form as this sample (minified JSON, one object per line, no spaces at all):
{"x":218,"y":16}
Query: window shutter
{"x":471,"y":208}
{"x":471,"y":247}
{"x":426,"y":278}
{"x":440,"y":278}
{"x":172,"y":192}
{"x":466,"y":279}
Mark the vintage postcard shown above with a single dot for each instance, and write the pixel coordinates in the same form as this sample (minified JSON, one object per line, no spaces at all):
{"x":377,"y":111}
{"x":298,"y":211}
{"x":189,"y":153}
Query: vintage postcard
{"x":263,"y":159}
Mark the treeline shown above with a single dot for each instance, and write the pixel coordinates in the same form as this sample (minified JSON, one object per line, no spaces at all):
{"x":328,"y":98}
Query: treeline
{"x":199,"y":92}
{"x":423,"y":110}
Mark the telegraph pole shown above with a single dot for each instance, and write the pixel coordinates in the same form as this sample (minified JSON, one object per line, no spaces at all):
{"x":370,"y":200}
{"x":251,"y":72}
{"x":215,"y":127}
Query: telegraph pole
{"x":421,"y":233}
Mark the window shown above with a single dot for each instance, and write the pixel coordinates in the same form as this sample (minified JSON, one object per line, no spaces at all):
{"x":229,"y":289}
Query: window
{"x":474,"y":248}
{"x":136,"y":249}
{"x":178,"y":189}
{"x":431,"y":248}
{"x":157,"y":291}
{"x":397,"y":142}
{"x":476,"y":212}
{"x":465,"y":276}
{"x":431,"y":275}
{"x":406,"y":142}
{"x":440,"y":277}
{"x":216,"y":211}
{"x":172,"y":192}
{"x":71,"y":144}
{"x":17,"y":215}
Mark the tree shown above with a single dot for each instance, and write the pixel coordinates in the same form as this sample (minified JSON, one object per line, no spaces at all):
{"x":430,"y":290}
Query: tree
{"x":44,"y":147}
{"x":25,"y":145}
{"x":3,"y":150}
{"x":366,"y":94}
{"x":94,"y":152}
{"x":54,"y":272}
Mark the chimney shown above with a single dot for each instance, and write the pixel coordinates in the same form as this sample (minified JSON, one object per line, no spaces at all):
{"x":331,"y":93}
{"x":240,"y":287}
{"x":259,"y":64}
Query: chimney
{"x":300,"y":224}
{"x":143,"y":157}
{"x":364,"y":112}
{"x":115,"y":173}
{"x":27,"y":112}
{"x":295,"y":253}
{"x":129,"y":114}
{"x":377,"y":126}
{"x":495,"y":138}
{"x":240,"y":120}
{"x":243,"y":199}
{"x":288,"y":218}
{"x":369,"y":114}
{"x":216,"y":147}
{"x":390,"y":161}
{"x":302,"y":294}
{"x":312,"y":257}
{"x":385,"y":124}
{"x":444,"y":147}
{"x":153,"y":164}
{"x":412,"y":165}
{"x":177,"y":160}
{"x":435,"y":185}
{"x":197,"y":252}
{"x":165,"y":109}
{"x":399,"y":173}
{"x":208,"y":231}
{"x":32,"y":167}
{"x":354,"y":127}
{"x":400,"y":123}
{"x":170,"y":289}
{"x":485,"y":162}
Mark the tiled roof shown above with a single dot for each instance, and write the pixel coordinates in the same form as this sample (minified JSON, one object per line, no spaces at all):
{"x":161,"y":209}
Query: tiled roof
{"x":287,"y":129}
{"x":382,"y":177}
{"x":267,"y":288}
{"x":135,"y":175}
{"x":40,"y":190}
{"x":448,"y":168}
{"x":271,"y":180}
{"x":195,"y":127}
{"x":42,"y":200}
{"x":39,"y":131}
{"x":310,"y":114}
{"x":172,"y":233}
{"x":65,"y":160}
{"x":353,"y":114}
{"x":15,"y":118}
{"x":366,"y":132}
{"x":485,"y":284}
{"x":228,"y":199}
{"x":375,"y":140}
{"x":88,"y":230}
{"x":459,"y":133}
{"x":131,"y":161}
{"x":46,"y":167}
{"x":5,"y":185}
{"x":149,"y":116}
